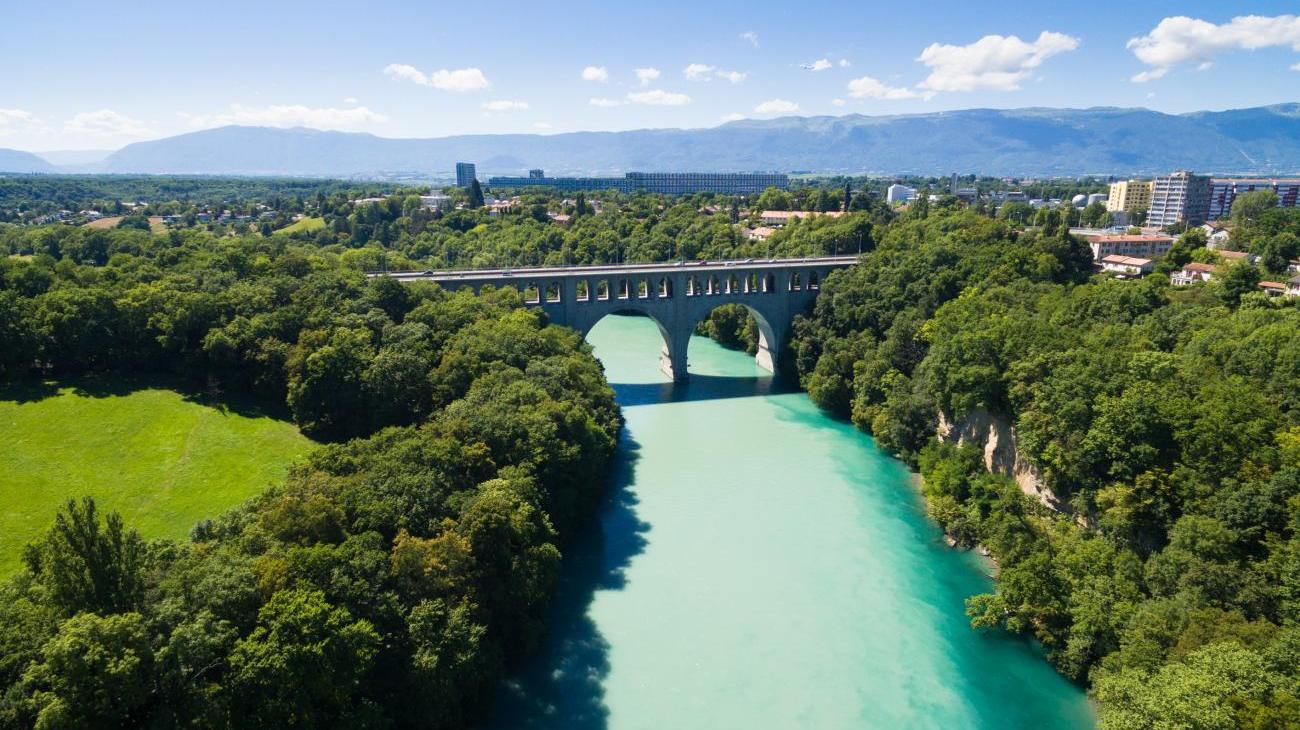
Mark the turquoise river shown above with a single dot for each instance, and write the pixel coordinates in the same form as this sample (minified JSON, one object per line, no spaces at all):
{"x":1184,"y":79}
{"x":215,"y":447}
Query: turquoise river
{"x":759,"y":565}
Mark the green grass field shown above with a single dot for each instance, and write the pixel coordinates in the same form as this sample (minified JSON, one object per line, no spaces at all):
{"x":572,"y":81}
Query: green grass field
{"x":162,"y":460}
{"x":306,"y":224}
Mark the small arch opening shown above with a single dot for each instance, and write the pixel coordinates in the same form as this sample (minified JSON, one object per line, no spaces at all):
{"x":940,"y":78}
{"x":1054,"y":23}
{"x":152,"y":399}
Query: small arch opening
{"x":532,"y":294}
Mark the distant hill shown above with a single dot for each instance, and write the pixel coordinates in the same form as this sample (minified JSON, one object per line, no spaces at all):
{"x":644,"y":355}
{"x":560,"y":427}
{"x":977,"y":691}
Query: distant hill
{"x":16,"y":161}
{"x":987,"y":141}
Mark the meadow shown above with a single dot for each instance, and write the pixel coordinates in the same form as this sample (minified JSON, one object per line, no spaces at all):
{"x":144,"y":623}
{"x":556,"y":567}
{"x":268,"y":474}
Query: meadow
{"x":163,"y":459}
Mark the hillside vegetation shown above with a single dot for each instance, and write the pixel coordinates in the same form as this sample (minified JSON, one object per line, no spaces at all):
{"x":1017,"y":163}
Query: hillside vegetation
{"x":1165,"y":421}
{"x":388,"y":580}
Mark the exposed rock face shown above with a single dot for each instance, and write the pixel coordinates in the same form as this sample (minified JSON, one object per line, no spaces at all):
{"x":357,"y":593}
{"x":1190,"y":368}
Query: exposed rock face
{"x":997,"y":437}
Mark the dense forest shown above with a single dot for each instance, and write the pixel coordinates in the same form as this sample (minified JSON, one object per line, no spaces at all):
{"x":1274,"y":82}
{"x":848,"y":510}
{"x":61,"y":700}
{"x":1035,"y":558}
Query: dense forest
{"x":1147,"y":534}
{"x":389,"y":580}
{"x":1163,"y":424}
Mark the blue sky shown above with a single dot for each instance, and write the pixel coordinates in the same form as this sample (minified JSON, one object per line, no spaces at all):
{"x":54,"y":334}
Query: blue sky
{"x":80,"y":75}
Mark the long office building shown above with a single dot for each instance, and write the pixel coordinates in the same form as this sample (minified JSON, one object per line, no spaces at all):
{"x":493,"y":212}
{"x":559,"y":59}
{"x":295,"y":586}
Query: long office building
{"x":1223,"y":191}
{"x":1181,"y":197}
{"x":664,"y":183}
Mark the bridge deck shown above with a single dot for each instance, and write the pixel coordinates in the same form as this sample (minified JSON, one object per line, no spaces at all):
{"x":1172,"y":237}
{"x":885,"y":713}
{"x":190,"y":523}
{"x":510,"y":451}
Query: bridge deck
{"x":469,"y":275}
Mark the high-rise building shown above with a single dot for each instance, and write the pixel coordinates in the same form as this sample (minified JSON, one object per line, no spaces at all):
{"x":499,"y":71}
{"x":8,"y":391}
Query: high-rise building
{"x":1129,"y":196}
{"x":1224,"y":191}
{"x":1181,"y":197}
{"x":465,"y":174}
{"x":536,"y":173}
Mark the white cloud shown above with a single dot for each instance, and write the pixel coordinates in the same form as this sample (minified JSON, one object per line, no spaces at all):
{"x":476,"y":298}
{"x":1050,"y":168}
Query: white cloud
{"x":647,"y":75}
{"x":820,"y":64}
{"x":606,"y":102}
{"x":505,"y":105}
{"x":698,"y":72}
{"x":993,"y":62}
{"x":350,"y":100}
{"x":705,"y":72}
{"x":838,"y":102}
{"x":844,"y":63}
{"x":462,"y":79}
{"x":595,"y":73}
{"x":733,"y":117}
{"x":776,"y":106}
{"x":292,"y":115}
{"x":1179,"y":39}
{"x":105,"y":123}
{"x":13,"y":119}
{"x":750,"y":36}
{"x":658,"y":97}
{"x":867,"y":87}
{"x":1150,"y":75}
{"x":541,"y":125}
{"x":1296,"y":67}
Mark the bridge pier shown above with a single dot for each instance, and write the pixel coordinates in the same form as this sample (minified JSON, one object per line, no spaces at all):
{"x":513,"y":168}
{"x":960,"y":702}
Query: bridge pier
{"x":672,"y":357}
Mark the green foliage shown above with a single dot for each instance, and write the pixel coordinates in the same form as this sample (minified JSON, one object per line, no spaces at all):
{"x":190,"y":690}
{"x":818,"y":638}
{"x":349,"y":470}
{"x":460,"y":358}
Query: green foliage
{"x":1161,"y":424}
{"x":390,"y":578}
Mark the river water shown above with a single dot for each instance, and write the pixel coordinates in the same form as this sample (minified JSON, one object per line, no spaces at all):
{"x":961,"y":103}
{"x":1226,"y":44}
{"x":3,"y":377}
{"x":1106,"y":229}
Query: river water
{"x":760,"y":565}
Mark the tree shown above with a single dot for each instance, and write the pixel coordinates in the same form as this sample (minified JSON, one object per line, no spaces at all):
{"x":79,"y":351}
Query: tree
{"x":94,"y":674}
{"x":1250,"y":206}
{"x":87,"y":566}
{"x":475,"y":195}
{"x":302,"y":665}
{"x":1237,"y":280}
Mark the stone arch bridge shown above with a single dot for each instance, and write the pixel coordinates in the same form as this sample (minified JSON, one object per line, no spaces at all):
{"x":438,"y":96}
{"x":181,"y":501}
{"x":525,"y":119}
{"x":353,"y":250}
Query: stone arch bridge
{"x":676,"y":296}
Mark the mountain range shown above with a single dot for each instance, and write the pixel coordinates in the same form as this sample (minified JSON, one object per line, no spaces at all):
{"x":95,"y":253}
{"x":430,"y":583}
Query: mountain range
{"x":1032,"y":141}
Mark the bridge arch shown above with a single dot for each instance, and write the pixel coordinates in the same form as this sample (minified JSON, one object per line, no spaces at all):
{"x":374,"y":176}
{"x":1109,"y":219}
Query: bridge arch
{"x":668,"y":353}
{"x":772,"y":330}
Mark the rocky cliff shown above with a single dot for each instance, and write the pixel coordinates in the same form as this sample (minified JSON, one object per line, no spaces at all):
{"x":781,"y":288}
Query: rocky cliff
{"x":996,"y":436}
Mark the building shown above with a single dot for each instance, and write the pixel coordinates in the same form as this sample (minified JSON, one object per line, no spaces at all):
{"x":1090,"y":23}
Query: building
{"x":662,"y":183}
{"x":465,"y":174}
{"x":436,"y":201}
{"x":899,"y":194}
{"x":1149,"y":247}
{"x":781,"y":217}
{"x":1293,"y":286}
{"x":1129,"y":196}
{"x":1273,"y":288}
{"x":1224,"y":191}
{"x":536,"y":173}
{"x":1181,"y":197}
{"x":1096,"y":198}
{"x":726,"y":183}
{"x":1193,"y":273}
{"x":758,"y":233}
{"x":1126,"y":266}
{"x":1233,"y":257}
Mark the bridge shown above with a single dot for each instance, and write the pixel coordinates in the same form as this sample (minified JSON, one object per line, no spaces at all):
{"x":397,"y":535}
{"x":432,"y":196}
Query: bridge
{"x":676,"y":296}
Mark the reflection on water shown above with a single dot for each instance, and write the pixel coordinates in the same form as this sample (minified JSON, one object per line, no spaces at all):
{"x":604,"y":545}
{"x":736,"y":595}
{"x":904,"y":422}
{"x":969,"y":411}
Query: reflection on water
{"x":757,"y":564}
{"x":698,"y":388}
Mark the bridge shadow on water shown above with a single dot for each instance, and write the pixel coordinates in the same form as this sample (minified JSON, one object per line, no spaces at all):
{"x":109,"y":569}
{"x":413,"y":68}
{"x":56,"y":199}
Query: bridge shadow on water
{"x":698,"y":388}
{"x":562,"y":687}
